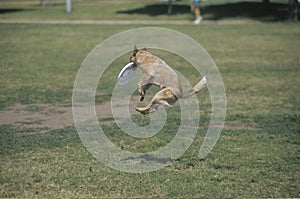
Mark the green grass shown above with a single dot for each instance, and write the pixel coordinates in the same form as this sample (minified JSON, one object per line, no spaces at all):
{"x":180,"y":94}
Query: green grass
{"x":243,"y":164}
{"x":259,"y":64}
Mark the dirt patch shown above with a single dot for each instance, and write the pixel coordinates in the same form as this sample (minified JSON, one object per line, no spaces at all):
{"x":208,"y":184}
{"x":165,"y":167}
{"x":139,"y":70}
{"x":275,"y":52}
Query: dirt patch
{"x":238,"y":125}
{"x":47,"y":117}
{"x":42,"y":116}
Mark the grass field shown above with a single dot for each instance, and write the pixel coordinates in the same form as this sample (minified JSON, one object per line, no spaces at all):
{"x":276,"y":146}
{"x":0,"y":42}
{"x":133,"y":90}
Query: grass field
{"x":257,"y":155}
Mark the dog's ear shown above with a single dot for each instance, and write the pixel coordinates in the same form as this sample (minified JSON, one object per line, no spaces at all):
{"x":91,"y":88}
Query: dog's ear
{"x":145,"y":49}
{"x":135,"y":51}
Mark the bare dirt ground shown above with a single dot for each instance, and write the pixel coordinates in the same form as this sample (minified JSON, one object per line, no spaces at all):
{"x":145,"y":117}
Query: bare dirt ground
{"x":45,"y":116}
{"x":37,"y":116}
{"x":48,"y":117}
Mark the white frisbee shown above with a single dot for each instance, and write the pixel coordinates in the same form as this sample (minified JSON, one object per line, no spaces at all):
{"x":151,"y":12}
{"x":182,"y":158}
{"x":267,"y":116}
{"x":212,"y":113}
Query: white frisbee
{"x":126,"y":74}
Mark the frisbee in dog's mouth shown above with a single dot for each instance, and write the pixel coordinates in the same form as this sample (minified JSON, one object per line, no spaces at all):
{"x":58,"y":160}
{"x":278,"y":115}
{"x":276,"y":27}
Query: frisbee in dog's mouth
{"x":126,"y":74}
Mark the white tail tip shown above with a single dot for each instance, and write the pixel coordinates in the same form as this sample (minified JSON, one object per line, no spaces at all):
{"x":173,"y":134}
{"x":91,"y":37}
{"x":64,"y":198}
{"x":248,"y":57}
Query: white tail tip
{"x":204,"y":80}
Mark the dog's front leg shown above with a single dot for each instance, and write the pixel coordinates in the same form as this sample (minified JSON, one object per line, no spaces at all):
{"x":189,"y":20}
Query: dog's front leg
{"x":142,"y":93}
{"x":145,"y":88}
{"x":142,"y":90}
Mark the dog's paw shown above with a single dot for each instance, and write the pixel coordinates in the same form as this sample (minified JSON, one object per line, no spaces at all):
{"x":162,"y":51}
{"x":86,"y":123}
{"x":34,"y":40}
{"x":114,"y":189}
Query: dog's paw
{"x":142,"y":110}
{"x":142,"y":94}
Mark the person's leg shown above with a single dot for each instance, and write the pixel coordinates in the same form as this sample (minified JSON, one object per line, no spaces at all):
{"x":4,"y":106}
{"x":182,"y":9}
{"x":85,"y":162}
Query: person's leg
{"x":197,"y":12}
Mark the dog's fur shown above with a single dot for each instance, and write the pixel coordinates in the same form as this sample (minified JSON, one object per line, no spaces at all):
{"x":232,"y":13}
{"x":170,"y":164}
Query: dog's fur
{"x":157,"y":72}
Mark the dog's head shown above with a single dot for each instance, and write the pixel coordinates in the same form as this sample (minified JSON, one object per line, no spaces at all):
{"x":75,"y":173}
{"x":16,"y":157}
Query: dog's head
{"x":134,"y":57}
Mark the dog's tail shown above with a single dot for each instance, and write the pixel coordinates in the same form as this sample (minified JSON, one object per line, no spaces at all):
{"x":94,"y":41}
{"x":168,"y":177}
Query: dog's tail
{"x":197,"y":88}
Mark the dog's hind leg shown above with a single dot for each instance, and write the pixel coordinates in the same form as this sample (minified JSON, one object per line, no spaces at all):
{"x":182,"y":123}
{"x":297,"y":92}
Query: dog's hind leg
{"x":165,"y":97}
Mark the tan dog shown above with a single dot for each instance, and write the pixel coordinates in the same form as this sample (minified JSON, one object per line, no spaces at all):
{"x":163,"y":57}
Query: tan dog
{"x":157,"y":72}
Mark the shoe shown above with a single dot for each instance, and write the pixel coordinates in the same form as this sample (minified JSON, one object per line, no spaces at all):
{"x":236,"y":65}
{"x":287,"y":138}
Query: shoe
{"x":197,"y":21}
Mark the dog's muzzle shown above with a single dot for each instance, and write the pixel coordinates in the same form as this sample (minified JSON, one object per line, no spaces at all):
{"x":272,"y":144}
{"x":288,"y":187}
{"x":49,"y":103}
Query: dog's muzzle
{"x":134,"y":66}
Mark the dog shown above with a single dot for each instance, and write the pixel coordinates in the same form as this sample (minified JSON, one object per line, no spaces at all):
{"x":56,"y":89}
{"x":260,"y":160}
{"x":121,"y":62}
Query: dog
{"x":159,"y":73}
